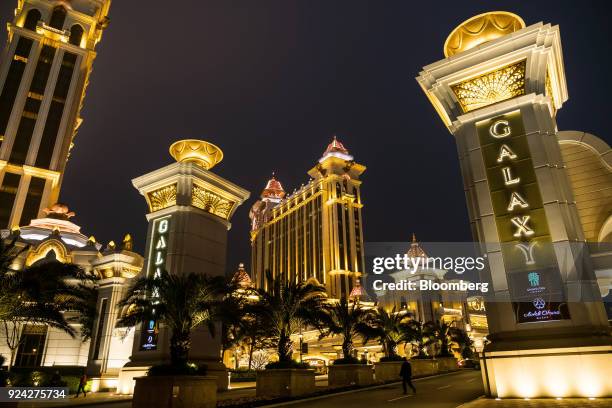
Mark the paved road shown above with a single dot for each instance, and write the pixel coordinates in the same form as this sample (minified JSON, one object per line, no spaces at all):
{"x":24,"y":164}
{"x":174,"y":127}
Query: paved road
{"x":446,"y":391}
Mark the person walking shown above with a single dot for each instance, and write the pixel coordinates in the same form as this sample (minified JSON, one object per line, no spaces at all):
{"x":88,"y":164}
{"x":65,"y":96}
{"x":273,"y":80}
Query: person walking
{"x":406,"y":374}
{"x":82,"y":384}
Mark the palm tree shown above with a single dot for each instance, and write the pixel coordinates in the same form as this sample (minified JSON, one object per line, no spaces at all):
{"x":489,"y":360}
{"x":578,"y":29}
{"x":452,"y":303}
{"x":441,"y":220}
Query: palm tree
{"x":444,"y":335}
{"x":390,"y":328}
{"x":179,"y":302}
{"x":37,"y":294}
{"x":347,"y":320}
{"x":285,"y":307}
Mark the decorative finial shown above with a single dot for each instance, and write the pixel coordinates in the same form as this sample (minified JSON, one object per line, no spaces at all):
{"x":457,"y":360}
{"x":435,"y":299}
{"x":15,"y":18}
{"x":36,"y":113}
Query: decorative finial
{"x":91,"y":241}
{"x":480,"y":29}
{"x":128,"y":245}
{"x":414,"y":240}
{"x":199,"y":152}
{"x":111,"y":246}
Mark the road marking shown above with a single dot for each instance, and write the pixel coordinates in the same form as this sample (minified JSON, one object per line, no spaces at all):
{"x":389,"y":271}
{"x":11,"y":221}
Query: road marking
{"x":473,"y":379}
{"x":402,"y":397}
{"x":446,"y":386}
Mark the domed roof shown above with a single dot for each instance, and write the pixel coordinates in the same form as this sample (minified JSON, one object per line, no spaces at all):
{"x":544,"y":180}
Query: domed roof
{"x":274,"y":189}
{"x":415,"y":250}
{"x":241,"y":277}
{"x":336,"y":149}
{"x":335,"y":146}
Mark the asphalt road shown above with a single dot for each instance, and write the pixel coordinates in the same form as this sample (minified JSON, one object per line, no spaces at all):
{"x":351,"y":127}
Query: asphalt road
{"x":445,"y":391}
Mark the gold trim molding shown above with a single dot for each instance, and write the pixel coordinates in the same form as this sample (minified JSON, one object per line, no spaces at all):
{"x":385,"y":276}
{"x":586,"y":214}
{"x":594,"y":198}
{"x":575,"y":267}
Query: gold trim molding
{"x":210,"y":202}
{"x":504,"y":83}
{"x":162,"y":198}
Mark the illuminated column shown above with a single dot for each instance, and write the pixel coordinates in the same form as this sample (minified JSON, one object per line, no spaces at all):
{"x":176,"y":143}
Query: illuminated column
{"x":498,"y":91}
{"x":44,"y":72}
{"x":190,"y":211}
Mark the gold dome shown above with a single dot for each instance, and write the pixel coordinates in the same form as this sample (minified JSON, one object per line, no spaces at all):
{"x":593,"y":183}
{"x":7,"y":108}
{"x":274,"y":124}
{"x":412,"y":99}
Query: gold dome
{"x":202,"y":153}
{"x":480,"y":29}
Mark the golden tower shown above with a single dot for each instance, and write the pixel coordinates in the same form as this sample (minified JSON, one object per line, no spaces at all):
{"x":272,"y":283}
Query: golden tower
{"x":316,"y":232}
{"x":44,"y":73}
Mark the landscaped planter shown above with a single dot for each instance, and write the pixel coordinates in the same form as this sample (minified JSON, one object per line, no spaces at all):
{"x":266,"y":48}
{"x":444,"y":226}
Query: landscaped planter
{"x":175,"y":391}
{"x":422,"y":367}
{"x":350,"y":374}
{"x":385,"y":371}
{"x":285,"y":382}
{"x":446,"y":364}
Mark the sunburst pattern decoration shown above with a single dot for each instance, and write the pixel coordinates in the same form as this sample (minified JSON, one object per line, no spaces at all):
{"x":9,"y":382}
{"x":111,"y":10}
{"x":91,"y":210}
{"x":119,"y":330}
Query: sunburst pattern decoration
{"x":211,"y":202}
{"x":162,"y":198}
{"x":492,"y":87}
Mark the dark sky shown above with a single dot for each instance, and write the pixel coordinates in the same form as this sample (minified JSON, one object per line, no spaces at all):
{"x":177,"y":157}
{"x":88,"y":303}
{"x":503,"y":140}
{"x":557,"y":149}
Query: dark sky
{"x":270,"y":82}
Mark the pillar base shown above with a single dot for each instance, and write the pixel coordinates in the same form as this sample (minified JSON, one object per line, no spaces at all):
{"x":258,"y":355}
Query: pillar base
{"x":548,"y":372}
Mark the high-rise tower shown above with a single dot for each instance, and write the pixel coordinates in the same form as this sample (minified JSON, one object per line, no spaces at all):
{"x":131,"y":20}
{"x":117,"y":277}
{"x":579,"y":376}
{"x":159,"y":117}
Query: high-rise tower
{"x":316,"y":232}
{"x":44,"y":72}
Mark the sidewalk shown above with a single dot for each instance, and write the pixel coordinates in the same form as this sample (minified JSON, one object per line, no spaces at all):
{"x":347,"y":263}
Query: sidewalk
{"x":91,"y":399}
{"x":539,"y":403}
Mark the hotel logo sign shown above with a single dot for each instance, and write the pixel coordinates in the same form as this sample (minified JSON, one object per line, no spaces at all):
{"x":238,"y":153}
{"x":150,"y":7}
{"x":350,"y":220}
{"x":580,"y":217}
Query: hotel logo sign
{"x":529,"y":259}
{"x":156,"y":263}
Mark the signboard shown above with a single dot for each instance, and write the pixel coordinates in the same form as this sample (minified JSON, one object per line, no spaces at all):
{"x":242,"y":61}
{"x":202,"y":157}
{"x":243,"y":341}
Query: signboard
{"x":534,"y":280}
{"x":155,"y":265}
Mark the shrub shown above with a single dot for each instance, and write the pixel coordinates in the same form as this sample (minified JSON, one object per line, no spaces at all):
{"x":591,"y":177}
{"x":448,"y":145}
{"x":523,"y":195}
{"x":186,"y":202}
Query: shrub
{"x":277,"y":365}
{"x":169,"y":369}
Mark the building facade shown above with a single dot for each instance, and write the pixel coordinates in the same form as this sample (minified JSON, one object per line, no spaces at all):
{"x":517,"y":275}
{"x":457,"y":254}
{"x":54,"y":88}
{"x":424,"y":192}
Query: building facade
{"x":316,"y":232}
{"x":44,"y":72}
{"x":55,"y":237}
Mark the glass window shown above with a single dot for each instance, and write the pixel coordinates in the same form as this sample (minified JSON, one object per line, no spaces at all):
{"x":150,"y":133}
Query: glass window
{"x":57,"y":18}
{"x":76,"y":34}
{"x":32,"y":19}
{"x":33,"y":199}
{"x":8,"y":191}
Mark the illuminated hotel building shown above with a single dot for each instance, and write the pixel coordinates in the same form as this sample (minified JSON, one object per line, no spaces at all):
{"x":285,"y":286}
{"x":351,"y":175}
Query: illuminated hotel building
{"x":44,"y":72}
{"x":316,"y":232}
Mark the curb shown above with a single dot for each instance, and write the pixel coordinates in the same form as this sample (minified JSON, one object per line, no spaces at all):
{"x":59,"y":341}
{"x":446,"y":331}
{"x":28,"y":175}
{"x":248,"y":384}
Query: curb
{"x":373,"y":387}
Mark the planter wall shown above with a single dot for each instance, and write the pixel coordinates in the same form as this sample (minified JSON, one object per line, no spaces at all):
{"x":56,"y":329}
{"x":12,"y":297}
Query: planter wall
{"x":423,"y":367}
{"x":446,"y":364}
{"x":175,"y":392}
{"x":288,"y":382}
{"x":385,"y":371}
{"x":350,"y":374}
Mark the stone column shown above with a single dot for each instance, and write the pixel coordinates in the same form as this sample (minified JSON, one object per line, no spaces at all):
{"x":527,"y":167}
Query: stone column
{"x":190,"y":211}
{"x":498,"y":91}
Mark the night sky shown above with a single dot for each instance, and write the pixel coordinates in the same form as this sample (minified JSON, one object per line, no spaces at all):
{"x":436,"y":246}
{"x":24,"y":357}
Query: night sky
{"x":271,"y":82}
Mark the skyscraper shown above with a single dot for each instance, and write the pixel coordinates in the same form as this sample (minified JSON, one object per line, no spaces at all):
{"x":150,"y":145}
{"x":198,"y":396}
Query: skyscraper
{"x":44,"y":72}
{"x":316,"y":232}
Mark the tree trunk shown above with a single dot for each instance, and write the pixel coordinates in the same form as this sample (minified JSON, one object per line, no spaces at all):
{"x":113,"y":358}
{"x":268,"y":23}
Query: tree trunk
{"x":347,"y":348}
{"x":180,"y":344}
{"x":284,"y":347}
{"x":250,"y":355}
{"x":11,"y":359}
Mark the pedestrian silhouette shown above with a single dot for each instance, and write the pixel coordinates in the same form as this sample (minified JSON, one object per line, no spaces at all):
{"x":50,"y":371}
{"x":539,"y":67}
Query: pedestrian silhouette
{"x":406,"y":374}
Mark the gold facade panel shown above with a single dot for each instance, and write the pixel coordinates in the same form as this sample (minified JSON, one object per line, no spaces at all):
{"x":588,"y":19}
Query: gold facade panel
{"x":210,"y":202}
{"x":496,"y":86}
{"x":162,"y":198}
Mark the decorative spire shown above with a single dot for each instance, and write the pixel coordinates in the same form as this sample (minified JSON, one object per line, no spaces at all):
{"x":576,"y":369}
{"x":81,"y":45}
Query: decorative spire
{"x":274,"y":189}
{"x":241,"y":277}
{"x":415,"y":250}
{"x":336,"y":149}
{"x":128,"y":244}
